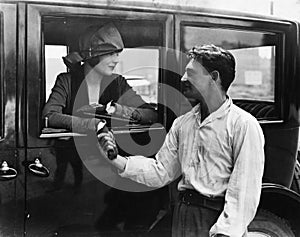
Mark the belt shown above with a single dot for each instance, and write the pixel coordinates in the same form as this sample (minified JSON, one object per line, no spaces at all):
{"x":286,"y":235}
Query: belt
{"x":194,"y":198}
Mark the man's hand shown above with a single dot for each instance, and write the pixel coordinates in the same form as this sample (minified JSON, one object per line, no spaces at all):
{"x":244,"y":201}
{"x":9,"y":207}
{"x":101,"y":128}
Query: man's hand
{"x":108,"y":144}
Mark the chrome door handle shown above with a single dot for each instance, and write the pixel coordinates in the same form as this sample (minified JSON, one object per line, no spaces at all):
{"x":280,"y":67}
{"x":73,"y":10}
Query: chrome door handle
{"x":6,"y":172}
{"x":37,"y":168}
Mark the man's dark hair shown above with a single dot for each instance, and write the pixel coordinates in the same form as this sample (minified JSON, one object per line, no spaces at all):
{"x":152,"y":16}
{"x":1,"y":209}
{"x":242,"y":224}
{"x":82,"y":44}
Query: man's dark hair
{"x":215,"y":58}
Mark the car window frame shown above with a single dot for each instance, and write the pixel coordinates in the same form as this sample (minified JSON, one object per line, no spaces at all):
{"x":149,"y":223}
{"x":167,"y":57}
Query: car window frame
{"x":281,"y":28}
{"x":35,"y":54}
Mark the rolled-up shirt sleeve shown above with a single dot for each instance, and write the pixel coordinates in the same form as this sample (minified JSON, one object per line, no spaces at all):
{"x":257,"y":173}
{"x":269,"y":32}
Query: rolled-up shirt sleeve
{"x":160,"y":171}
{"x":244,"y":187}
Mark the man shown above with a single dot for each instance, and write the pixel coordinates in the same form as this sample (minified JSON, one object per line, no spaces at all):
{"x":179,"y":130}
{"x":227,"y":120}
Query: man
{"x":216,"y":147}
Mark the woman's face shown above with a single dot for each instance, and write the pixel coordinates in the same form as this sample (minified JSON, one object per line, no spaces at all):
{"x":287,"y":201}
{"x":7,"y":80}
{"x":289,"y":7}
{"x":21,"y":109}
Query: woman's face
{"x":107,"y":64}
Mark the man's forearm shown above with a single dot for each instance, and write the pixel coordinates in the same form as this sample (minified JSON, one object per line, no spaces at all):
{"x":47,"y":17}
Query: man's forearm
{"x":120,"y":162}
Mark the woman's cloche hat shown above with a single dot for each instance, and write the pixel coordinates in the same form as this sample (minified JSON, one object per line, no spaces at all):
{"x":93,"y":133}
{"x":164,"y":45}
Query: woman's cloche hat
{"x":94,"y":42}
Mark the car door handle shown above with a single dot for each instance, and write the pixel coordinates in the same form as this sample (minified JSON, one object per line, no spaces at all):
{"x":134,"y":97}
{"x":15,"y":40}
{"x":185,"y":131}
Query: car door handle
{"x":6,"y":172}
{"x":37,"y":168}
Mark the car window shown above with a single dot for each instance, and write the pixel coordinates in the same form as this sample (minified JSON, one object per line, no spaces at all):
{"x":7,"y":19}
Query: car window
{"x":141,"y":74}
{"x":140,"y":68}
{"x":255,"y":58}
{"x":54,"y":64}
{"x":258,"y":53}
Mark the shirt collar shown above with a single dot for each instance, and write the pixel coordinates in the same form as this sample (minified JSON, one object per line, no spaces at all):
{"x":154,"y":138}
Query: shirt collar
{"x":220,"y":112}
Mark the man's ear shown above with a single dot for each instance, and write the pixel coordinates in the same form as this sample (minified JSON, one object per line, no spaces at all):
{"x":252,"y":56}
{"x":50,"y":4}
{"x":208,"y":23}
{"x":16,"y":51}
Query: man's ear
{"x":215,"y":75}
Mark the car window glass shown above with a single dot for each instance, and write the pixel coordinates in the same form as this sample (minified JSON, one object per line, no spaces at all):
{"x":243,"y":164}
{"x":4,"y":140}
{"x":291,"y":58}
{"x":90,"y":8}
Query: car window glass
{"x":54,"y":64}
{"x":254,"y":53}
{"x":140,"y":68}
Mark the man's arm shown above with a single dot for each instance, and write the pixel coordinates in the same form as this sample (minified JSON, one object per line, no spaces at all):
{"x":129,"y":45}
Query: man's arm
{"x":244,"y":187}
{"x":151,"y":172}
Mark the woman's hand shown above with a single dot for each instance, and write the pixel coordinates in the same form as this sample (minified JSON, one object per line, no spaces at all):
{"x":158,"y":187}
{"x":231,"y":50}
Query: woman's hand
{"x":110,"y":108}
{"x":92,"y":108}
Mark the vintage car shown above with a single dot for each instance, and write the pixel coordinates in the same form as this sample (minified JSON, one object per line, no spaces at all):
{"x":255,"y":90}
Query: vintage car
{"x":34,"y":35}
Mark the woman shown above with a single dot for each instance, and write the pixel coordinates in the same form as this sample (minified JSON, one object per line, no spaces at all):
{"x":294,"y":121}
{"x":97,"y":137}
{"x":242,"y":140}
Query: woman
{"x":91,"y":85}
{"x":93,"y":82}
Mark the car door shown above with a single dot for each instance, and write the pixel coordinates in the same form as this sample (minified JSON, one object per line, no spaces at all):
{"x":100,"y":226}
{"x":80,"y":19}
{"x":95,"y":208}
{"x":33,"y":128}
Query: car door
{"x":11,"y":178}
{"x":104,"y":204}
